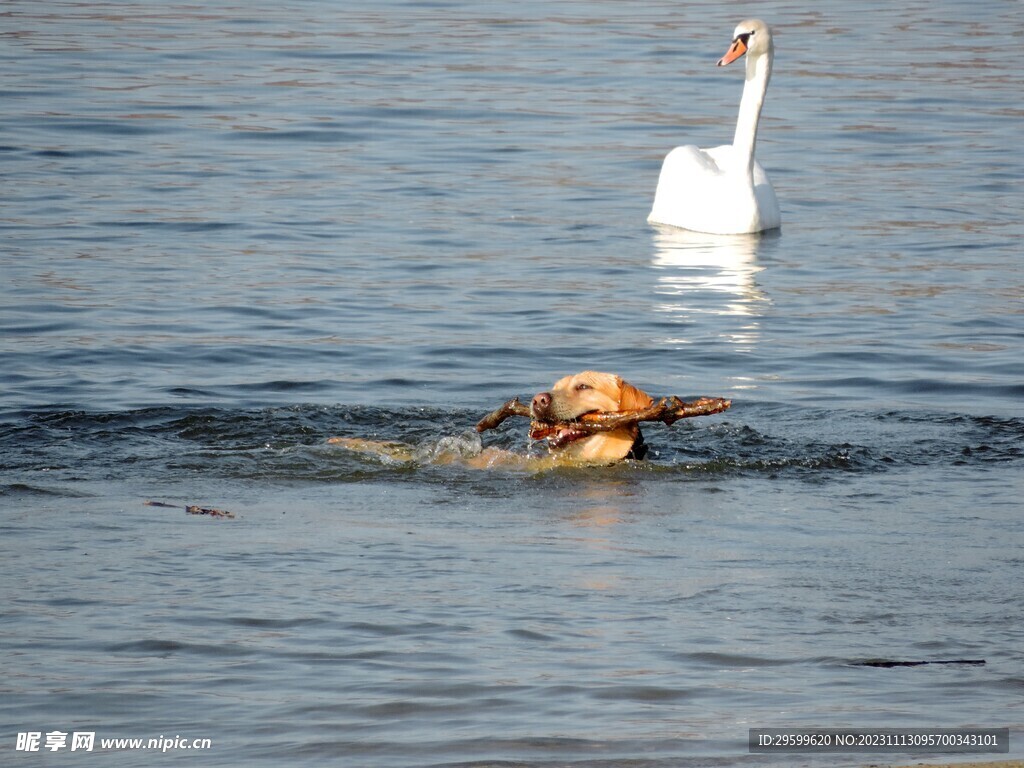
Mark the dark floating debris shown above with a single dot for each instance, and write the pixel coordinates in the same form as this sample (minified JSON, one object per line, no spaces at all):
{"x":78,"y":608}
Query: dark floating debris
{"x":193,"y":509}
{"x":888,"y":663}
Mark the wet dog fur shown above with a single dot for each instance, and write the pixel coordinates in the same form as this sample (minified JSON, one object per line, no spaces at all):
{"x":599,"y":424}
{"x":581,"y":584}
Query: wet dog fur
{"x":572,"y":397}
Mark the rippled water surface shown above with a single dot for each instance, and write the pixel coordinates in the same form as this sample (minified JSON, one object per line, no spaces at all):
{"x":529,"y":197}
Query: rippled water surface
{"x":232,"y":231}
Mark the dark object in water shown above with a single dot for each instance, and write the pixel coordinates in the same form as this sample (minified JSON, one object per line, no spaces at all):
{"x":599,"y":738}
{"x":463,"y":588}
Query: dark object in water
{"x":888,"y":663}
{"x":193,"y":509}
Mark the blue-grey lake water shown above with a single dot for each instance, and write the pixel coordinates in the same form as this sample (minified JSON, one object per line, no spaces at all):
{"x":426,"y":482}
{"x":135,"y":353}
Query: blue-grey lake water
{"x":230,"y":231}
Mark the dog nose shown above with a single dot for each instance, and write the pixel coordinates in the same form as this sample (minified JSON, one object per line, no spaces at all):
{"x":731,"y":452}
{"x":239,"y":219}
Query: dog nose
{"x":541,"y":402}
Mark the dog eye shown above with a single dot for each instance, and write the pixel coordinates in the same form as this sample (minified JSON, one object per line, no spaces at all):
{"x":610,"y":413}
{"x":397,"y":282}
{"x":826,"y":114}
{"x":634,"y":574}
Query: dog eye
{"x":581,"y":387}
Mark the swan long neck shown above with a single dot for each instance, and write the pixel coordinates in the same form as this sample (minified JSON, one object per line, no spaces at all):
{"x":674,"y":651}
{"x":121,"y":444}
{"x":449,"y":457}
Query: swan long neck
{"x":759,"y":72}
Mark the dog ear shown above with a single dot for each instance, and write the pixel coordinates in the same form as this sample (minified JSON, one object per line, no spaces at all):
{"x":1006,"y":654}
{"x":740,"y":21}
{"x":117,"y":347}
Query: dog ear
{"x":631,"y":398}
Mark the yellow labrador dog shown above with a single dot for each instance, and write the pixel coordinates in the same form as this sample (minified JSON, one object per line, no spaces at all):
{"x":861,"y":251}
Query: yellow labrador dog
{"x":575,"y":396}
{"x":568,"y":399}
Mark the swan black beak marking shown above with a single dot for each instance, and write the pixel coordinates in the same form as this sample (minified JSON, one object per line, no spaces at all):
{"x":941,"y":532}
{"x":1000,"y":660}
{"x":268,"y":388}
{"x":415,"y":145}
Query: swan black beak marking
{"x":737,"y":49}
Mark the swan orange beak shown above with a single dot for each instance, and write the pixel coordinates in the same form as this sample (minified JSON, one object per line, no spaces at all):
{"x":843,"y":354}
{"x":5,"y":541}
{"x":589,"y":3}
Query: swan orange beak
{"x":737,"y":49}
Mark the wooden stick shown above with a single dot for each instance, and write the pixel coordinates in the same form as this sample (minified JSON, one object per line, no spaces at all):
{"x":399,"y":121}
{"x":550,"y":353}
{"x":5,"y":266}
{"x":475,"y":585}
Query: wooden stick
{"x":667,"y":410}
{"x":192,"y":509}
{"x":512,"y":408}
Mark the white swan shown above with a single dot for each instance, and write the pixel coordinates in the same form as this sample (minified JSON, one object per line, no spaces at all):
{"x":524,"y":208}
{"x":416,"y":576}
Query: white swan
{"x":723,"y":190}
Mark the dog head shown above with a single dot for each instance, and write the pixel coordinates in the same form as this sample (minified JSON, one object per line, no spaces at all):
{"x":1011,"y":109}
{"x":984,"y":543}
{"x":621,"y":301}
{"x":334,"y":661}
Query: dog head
{"x":575,"y":396}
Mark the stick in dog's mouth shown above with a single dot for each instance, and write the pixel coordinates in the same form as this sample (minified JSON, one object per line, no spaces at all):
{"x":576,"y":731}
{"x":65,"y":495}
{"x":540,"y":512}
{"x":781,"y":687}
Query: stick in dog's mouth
{"x":667,"y":410}
{"x":557,"y":435}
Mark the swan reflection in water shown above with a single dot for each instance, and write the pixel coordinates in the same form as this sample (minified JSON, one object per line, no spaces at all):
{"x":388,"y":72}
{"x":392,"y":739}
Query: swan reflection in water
{"x":701,"y":274}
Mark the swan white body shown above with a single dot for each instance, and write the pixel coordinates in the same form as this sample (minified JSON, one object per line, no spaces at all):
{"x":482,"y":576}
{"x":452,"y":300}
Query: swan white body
{"x":724,"y":190}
